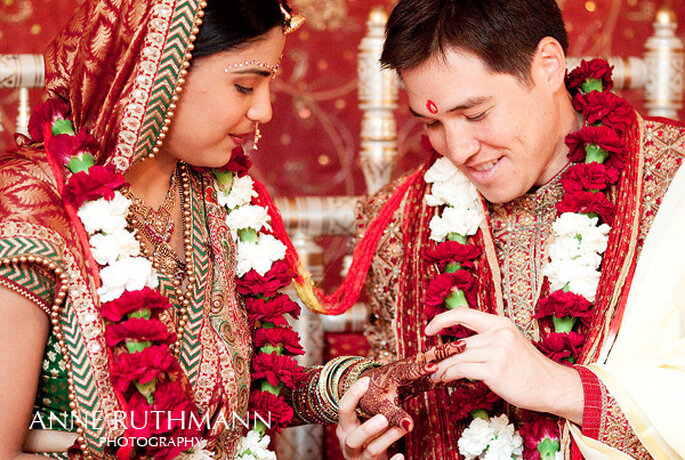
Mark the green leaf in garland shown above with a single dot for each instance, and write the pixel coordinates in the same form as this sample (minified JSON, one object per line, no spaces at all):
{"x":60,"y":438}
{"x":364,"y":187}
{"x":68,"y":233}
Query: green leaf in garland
{"x":147,"y":389}
{"x":62,"y":126}
{"x":456,"y":299}
{"x":452,"y":267}
{"x":269,"y":388}
{"x":136,"y":347}
{"x":479,"y":413}
{"x":595,"y":154}
{"x":564,"y":325}
{"x":268,"y":349}
{"x":248,"y":235}
{"x":456,"y":237}
{"x":592,"y":84}
{"x":224,"y":179}
{"x":143,"y":313}
{"x":548,"y":448}
{"x":81,"y":163}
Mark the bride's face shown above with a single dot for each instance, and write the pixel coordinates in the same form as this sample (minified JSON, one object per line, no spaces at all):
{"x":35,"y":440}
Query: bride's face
{"x":224,"y":96}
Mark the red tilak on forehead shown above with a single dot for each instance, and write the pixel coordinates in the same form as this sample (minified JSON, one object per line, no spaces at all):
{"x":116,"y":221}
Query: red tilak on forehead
{"x":432,"y":108}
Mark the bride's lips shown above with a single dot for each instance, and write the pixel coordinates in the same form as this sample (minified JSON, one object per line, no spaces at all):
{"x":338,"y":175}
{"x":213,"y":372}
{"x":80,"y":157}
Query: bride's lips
{"x":239,"y":139}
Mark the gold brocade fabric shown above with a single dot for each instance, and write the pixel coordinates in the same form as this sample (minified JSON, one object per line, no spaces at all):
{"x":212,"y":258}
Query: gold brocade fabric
{"x":522,"y":232}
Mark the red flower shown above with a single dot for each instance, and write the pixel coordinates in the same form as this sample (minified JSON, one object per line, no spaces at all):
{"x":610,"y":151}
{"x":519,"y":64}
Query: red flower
{"x":605,"y":108}
{"x":558,"y":346}
{"x":277,"y":368}
{"x":139,"y":330}
{"x":252,"y":283}
{"x":271,"y":310}
{"x":590,"y":176}
{"x":561,"y":304}
{"x":131,"y":301}
{"x":142,"y":366}
{"x":46,"y":113}
{"x":279,"y":335}
{"x":604,"y":137}
{"x":457,"y":332}
{"x":588,"y":202}
{"x":467,"y":283}
{"x":271,"y":408}
{"x":534,"y":432}
{"x":98,"y":181}
{"x":598,"y":69}
{"x":66,"y":146}
{"x":239,"y":163}
{"x":472,"y":396}
{"x":439,"y":288}
{"x":452,"y":251}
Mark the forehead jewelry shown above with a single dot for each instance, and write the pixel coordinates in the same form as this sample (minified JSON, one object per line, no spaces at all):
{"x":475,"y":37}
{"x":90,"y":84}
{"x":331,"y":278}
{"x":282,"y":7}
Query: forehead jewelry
{"x":273,"y":68}
{"x":432,"y":107}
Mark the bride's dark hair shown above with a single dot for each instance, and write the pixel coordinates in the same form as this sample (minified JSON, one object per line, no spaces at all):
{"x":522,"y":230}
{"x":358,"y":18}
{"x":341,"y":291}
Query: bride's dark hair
{"x":228,"y":24}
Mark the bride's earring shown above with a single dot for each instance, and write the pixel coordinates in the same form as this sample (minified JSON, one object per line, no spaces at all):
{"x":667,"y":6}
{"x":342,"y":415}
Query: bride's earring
{"x":257,"y":137}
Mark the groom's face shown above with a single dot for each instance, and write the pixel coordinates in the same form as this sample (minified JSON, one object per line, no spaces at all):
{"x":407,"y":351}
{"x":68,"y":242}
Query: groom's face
{"x":497,"y":129}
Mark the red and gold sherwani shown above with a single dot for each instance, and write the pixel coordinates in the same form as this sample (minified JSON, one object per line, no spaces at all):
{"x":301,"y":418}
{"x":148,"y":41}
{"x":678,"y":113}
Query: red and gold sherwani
{"x":517,"y":236}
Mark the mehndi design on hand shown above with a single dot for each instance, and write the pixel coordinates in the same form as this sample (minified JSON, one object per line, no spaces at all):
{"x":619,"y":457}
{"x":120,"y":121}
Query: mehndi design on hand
{"x":391,"y":380}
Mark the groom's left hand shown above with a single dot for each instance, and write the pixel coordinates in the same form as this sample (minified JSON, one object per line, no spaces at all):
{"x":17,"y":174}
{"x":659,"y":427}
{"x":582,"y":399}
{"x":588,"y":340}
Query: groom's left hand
{"x":509,"y":364}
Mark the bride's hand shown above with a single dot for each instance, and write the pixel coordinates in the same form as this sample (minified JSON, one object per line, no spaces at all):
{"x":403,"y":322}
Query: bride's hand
{"x":406,"y":378}
{"x":369,"y":440}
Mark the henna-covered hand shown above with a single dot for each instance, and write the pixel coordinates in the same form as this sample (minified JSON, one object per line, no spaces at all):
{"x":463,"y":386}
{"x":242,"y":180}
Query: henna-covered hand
{"x":391,"y":383}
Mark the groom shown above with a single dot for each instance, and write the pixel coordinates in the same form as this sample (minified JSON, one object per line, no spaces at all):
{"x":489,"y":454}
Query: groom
{"x":526,"y":237}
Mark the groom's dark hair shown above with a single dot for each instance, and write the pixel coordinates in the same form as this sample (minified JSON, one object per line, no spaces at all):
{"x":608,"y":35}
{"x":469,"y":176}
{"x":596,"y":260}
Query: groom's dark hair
{"x":503,"y":33}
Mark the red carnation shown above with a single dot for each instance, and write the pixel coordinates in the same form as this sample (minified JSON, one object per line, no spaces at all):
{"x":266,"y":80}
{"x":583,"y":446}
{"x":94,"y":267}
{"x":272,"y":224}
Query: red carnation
{"x":449,"y":252}
{"x":271,"y":408}
{"x":279,"y":335}
{"x":588,"y":176}
{"x":588,"y":202}
{"x":438,"y":289}
{"x":139,"y":330}
{"x":98,"y":181}
{"x":271,"y":310}
{"x":534,"y":432}
{"x":46,"y":113}
{"x":131,"y":301}
{"x":467,"y":283}
{"x":66,"y":146}
{"x":605,"y":108}
{"x":559,"y":346}
{"x":562,"y":304}
{"x":252,"y":283}
{"x":599,"y":69}
{"x":277,"y":368}
{"x":239,"y":163}
{"x":602,"y":136}
{"x":472,"y":396}
{"x":457,"y":332}
{"x":142,"y":366}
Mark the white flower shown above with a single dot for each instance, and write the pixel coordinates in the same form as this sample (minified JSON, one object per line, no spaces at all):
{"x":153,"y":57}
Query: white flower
{"x":595,"y":239}
{"x":259,"y":256}
{"x":571,"y":223}
{"x":103,"y":215}
{"x":254,"y":446}
{"x":249,"y":216}
{"x":241,"y":193}
{"x":198,"y":452}
{"x":558,"y":455}
{"x":505,"y":447}
{"x":462,"y":221}
{"x":443,"y":170}
{"x":568,"y":251}
{"x":128,"y":274}
{"x":581,"y":278}
{"x":584,"y":230}
{"x":453,"y":193}
{"x":476,"y":438}
{"x":108,"y":248}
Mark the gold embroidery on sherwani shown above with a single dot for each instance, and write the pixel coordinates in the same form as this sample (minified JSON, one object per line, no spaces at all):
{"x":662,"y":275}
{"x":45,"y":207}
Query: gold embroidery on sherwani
{"x":522,"y":231}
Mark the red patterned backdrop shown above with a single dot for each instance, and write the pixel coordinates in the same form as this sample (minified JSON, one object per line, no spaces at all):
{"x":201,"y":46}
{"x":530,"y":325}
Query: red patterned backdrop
{"x":312,"y":147}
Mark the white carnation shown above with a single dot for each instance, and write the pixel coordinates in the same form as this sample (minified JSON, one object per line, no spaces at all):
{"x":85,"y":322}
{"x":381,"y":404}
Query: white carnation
{"x":254,"y":446}
{"x":108,"y":248}
{"x":249,"y":216}
{"x":595,"y":239}
{"x":476,"y":438}
{"x":505,"y":447}
{"x":571,"y":223}
{"x":128,"y":274}
{"x":443,"y":170}
{"x":453,"y":193}
{"x":581,"y":278}
{"x":462,"y":221}
{"x":259,"y":256}
{"x":241,"y":193}
{"x":104,"y":215}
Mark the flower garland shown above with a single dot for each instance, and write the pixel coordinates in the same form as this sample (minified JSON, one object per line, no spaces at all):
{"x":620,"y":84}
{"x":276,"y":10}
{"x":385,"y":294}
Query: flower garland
{"x":144,"y":371}
{"x":262,"y":272}
{"x":581,"y":234}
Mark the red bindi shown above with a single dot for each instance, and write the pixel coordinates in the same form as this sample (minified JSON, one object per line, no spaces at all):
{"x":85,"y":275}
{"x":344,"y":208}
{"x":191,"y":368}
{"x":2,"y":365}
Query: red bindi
{"x":432,"y":108}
